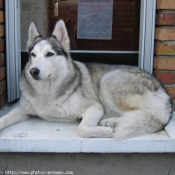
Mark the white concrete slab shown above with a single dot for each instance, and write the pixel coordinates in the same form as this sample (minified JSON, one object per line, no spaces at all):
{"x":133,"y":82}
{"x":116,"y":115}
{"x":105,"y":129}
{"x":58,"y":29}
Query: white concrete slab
{"x":36,"y":135}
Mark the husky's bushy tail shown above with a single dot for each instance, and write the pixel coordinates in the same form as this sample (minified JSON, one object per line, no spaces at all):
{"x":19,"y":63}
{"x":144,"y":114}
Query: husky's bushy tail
{"x":136,"y":123}
{"x":141,"y":122}
{"x":153,"y":112}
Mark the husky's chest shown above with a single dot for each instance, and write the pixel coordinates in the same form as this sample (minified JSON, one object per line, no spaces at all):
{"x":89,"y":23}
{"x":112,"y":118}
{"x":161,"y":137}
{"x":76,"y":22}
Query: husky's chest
{"x":52,"y":109}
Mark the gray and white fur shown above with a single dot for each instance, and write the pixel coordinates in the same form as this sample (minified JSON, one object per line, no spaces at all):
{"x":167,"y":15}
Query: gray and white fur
{"x":112,"y":101}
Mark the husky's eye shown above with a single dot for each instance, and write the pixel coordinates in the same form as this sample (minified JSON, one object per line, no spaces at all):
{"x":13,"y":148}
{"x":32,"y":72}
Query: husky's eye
{"x":33,"y":55}
{"x":49,"y":54}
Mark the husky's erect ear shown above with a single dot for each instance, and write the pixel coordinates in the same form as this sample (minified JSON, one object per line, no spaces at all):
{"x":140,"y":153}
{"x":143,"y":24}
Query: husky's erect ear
{"x":33,"y":36}
{"x":60,"y":32}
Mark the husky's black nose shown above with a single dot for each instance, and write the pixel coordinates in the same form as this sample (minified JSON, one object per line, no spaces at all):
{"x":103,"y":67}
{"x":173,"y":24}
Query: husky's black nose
{"x":34,"y":72}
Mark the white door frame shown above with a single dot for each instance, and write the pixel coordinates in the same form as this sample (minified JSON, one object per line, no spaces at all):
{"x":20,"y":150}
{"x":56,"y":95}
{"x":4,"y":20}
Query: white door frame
{"x":13,"y":42}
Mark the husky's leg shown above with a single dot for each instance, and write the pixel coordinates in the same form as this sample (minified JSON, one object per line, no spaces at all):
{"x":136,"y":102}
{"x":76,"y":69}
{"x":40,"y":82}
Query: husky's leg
{"x":16,"y":115}
{"x":89,"y":124}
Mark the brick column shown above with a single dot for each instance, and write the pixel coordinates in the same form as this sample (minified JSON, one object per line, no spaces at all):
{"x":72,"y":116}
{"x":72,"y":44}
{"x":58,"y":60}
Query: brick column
{"x":2,"y":57}
{"x":164,"y":62}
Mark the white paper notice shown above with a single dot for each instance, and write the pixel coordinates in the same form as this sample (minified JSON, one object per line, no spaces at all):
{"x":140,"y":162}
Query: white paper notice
{"x":95,"y":19}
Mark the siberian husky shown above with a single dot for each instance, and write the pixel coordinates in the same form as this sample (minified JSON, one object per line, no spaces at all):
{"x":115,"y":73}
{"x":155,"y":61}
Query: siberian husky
{"x":112,"y":101}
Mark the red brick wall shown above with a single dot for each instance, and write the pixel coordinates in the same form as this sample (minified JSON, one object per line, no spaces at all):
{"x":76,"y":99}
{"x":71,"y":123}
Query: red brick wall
{"x":164,"y":62}
{"x":2,"y":57}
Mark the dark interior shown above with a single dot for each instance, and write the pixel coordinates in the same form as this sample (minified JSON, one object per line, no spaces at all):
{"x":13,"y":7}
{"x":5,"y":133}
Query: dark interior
{"x":104,"y":58}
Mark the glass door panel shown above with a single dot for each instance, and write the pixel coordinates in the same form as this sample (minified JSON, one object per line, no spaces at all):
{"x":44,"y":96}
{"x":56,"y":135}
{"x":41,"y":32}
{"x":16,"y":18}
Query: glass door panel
{"x":125,"y":23}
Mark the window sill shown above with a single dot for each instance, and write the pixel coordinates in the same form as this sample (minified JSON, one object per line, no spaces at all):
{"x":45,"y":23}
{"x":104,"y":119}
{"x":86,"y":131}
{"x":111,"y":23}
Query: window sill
{"x":36,"y":135}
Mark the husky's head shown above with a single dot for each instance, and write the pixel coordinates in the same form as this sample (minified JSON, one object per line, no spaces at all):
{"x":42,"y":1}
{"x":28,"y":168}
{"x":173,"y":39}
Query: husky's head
{"x":46,"y":56}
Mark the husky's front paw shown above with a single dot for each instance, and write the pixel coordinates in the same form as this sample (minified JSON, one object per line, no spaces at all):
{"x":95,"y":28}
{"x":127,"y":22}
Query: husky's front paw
{"x":109,"y":122}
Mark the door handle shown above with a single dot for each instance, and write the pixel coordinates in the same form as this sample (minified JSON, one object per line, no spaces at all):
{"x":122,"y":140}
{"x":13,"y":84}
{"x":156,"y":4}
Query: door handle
{"x":56,"y":7}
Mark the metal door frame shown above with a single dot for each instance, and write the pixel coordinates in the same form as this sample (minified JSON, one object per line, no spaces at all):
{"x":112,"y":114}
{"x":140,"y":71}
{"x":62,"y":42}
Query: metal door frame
{"x":13,"y":48}
{"x":147,"y":34}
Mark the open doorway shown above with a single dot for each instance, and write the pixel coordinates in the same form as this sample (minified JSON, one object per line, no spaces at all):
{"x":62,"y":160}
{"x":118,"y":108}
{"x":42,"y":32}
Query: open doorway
{"x":25,"y":11}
